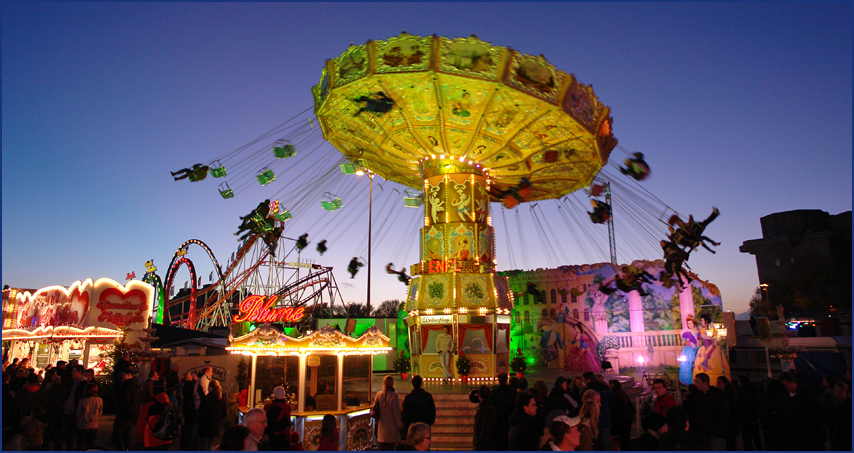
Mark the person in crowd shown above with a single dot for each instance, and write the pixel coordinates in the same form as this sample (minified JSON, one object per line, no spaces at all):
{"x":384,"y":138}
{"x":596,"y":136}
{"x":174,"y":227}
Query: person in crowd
{"x":234,"y":438}
{"x":390,"y":421}
{"x":278,"y":420}
{"x":747,"y":405}
{"x":663,"y":400}
{"x":589,"y":415}
{"x":576,"y":389}
{"x":558,"y":399}
{"x":565,"y":434}
{"x":723,"y":383}
{"x":504,"y":398}
{"x":121,"y":365}
{"x":542,"y":411}
{"x":710,"y":418}
{"x":69,"y":412}
{"x":800,"y":418}
{"x":33,"y":426}
{"x":89,"y":412}
{"x":30,"y":396}
{"x":328,"y":434}
{"x":848,"y":378}
{"x":188,"y":409}
{"x":10,"y":408}
{"x":127,"y":409}
{"x":48,"y":378}
{"x":485,"y":422}
{"x":418,"y":406}
{"x":607,"y":400}
{"x":55,"y":396}
{"x":200,"y":389}
{"x":211,"y":413}
{"x":540,"y":385}
{"x":524,"y":433}
{"x":771,"y":414}
{"x":514,"y":383}
{"x":232,"y":410}
{"x":148,"y":385}
{"x":418,"y":436}
{"x":841,"y":439}
{"x":677,"y":437}
{"x":256,"y":421}
{"x":654,"y":425}
{"x":149,"y":415}
{"x":19,"y":379}
{"x":827,"y":401}
{"x":173,"y":381}
{"x":622,"y":415}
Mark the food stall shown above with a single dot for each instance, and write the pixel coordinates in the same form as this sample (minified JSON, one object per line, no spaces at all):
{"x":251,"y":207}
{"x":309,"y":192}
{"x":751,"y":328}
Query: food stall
{"x":324,"y":372}
{"x":80,"y":322}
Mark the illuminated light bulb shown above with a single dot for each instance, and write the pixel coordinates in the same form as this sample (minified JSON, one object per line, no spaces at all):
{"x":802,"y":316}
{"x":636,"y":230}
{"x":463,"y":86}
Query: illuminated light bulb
{"x":441,"y":156}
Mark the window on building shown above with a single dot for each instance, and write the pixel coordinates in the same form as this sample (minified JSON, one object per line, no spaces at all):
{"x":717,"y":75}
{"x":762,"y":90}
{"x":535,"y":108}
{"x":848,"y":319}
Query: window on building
{"x":524,"y":299}
{"x":545,"y":313}
{"x":563,"y":298}
{"x":527,"y":317}
{"x":586,"y":286}
{"x":542,"y":297}
{"x":531,"y":299}
{"x":586,"y":314}
{"x":517,"y":318}
{"x":574,"y":299}
{"x":575,"y":313}
{"x":554,"y":297}
{"x":553,"y":313}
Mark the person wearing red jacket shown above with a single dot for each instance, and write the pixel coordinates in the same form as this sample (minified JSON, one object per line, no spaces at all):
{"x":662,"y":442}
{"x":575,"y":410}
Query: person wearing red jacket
{"x":149,"y":414}
{"x":663,"y":400}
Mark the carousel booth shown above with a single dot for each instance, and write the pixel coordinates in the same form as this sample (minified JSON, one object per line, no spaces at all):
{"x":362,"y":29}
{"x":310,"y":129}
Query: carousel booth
{"x":325,"y":372}
{"x":81,"y":322}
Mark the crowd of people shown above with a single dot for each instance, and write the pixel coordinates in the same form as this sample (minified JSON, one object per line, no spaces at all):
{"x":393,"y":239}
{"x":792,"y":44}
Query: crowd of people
{"x":60,"y":408}
{"x":587,"y":414}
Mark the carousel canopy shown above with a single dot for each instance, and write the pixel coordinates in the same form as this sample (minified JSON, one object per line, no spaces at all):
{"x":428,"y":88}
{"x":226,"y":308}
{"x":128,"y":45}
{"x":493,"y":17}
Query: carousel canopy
{"x":269,"y":341}
{"x":387,"y":105}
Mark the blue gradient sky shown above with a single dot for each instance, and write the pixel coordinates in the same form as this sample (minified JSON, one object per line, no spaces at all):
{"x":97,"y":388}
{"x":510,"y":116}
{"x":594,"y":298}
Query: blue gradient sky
{"x":742,"y":106}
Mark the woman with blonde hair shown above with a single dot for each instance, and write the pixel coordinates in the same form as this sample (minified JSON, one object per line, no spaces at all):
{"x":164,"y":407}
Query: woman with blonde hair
{"x":589,"y":425}
{"x":390,"y":421}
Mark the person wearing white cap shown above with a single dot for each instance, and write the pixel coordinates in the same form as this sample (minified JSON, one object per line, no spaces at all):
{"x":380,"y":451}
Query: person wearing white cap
{"x":278,"y":420}
{"x":565,"y":432}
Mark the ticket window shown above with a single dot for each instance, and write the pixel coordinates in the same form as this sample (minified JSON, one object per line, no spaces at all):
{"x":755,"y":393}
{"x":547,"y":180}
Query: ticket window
{"x":320,"y":393}
{"x":272,"y":372}
{"x":357,"y":380}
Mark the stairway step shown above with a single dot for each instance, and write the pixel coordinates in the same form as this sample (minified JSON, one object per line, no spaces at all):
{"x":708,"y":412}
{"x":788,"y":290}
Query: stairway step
{"x":452,"y":429}
{"x":448,"y":446}
{"x":454,"y":420}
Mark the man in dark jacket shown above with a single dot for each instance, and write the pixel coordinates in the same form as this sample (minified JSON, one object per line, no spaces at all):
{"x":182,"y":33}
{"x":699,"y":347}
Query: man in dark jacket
{"x":485,"y":422}
{"x":278,"y":428}
{"x":524,"y":432}
{"x":504,"y":398}
{"x":127,"y":409}
{"x":622,"y":415}
{"x":418,"y":406}
{"x":710,"y":417}
{"x":800,"y":417}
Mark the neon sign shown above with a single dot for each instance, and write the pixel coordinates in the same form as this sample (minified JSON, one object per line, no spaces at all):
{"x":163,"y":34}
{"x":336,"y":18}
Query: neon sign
{"x":260,"y":309}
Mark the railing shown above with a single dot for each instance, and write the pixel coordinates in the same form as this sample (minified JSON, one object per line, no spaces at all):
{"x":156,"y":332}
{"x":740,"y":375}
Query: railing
{"x":643,"y":339}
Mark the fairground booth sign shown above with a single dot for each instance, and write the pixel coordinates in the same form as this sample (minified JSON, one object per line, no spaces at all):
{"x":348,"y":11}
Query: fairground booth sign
{"x":80,"y":322}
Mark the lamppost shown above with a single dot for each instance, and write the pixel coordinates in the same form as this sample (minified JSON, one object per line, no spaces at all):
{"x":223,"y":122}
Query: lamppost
{"x":370,"y":218}
{"x":764,"y":287}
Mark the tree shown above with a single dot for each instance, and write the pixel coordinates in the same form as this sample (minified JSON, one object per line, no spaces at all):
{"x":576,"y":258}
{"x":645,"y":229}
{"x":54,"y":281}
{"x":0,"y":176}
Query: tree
{"x":758,"y":304}
{"x":388,"y":309}
{"x":351,"y":310}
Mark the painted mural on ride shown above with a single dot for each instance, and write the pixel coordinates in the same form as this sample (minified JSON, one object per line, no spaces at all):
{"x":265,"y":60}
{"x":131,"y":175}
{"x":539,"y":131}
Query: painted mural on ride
{"x":562,"y":315}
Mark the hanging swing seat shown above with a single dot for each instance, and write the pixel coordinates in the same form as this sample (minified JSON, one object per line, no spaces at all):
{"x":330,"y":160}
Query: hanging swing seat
{"x":348,"y":168}
{"x":217,"y":170}
{"x":265,"y":176}
{"x":331,"y":202}
{"x":412,"y":198}
{"x":225,"y":191}
{"x":282,"y":215}
{"x":284,"y":151}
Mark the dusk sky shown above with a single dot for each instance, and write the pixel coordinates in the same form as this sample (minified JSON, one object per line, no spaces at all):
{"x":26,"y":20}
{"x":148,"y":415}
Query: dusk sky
{"x":742,"y":106}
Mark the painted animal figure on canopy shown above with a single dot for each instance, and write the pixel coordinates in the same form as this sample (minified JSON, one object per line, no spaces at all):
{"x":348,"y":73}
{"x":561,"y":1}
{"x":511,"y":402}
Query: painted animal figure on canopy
{"x":197,"y":173}
{"x":690,"y":234}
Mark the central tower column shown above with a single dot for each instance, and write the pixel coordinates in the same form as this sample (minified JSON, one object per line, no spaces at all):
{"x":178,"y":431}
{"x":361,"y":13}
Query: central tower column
{"x":454,"y":283}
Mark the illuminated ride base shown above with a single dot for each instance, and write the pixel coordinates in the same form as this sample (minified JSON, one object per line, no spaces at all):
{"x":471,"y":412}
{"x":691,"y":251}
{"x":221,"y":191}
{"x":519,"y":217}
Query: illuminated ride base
{"x":456,"y":117}
{"x":455,"y":284}
{"x":326,"y":372}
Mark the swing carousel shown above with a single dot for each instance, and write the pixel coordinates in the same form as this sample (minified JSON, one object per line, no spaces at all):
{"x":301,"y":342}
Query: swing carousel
{"x":467,"y":123}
